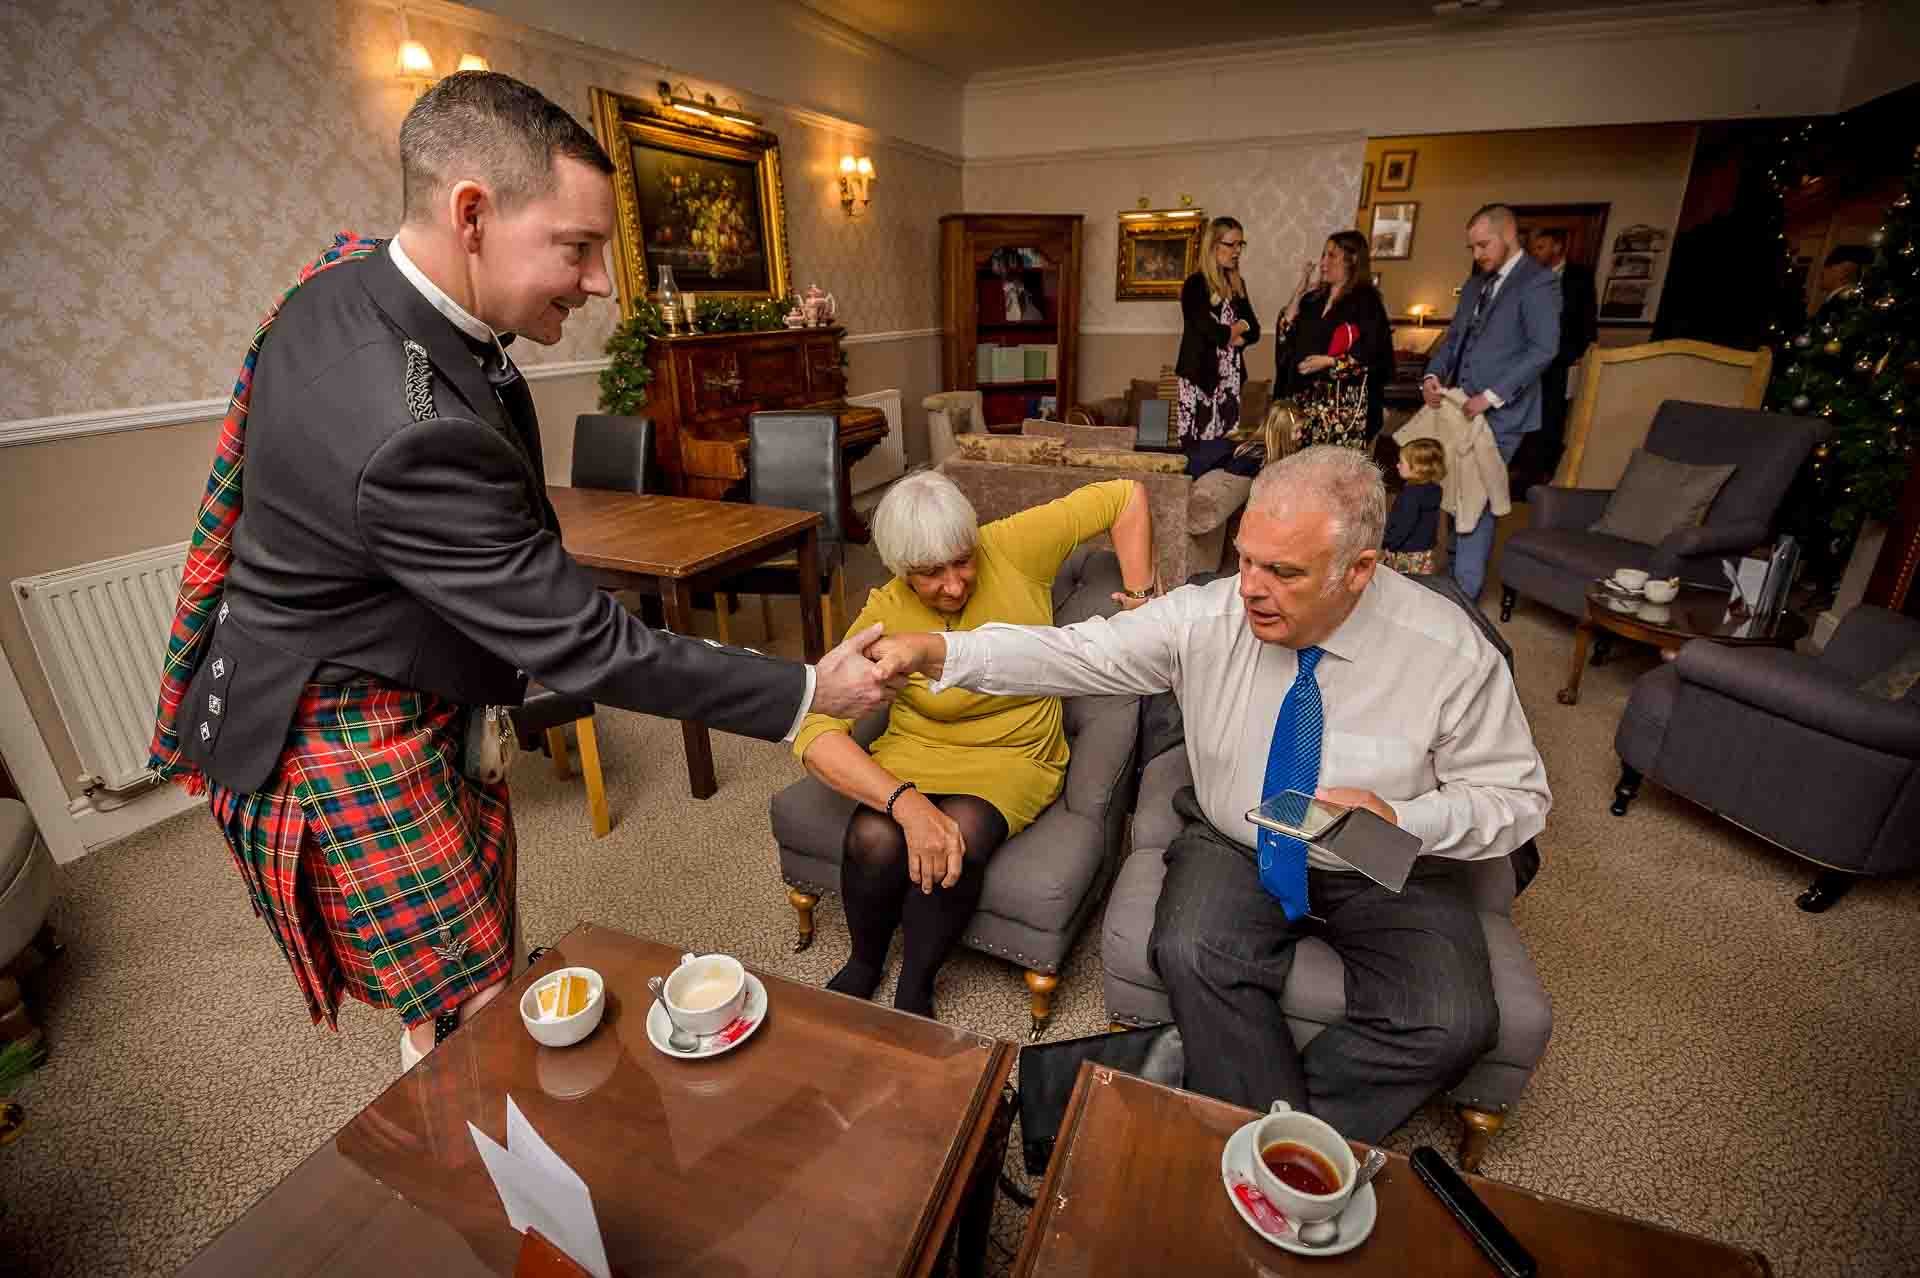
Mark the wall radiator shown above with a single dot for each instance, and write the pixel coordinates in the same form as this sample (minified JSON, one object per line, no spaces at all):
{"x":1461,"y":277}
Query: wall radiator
{"x":100,"y":632}
{"x":888,"y":460}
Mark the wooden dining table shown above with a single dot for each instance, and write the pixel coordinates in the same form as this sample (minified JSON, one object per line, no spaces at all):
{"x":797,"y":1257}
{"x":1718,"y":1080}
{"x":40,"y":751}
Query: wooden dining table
{"x":682,"y":545}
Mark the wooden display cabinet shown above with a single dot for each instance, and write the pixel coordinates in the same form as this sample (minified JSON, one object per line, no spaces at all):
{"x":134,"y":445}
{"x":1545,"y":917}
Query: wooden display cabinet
{"x":992,"y":264}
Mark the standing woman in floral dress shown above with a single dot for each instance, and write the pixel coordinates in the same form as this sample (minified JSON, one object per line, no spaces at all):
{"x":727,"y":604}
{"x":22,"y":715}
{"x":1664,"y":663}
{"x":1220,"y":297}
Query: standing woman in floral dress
{"x":1219,"y":324}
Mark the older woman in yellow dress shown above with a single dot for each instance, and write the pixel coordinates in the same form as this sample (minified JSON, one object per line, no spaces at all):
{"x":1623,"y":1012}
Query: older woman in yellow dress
{"x":955,"y":775}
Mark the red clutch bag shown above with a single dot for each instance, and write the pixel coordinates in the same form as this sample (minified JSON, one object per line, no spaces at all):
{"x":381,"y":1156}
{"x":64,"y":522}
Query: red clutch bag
{"x":1343,"y":340}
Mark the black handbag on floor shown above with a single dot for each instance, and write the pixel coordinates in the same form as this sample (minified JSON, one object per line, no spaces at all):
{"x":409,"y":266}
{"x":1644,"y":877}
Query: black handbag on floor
{"x":1048,"y":1071}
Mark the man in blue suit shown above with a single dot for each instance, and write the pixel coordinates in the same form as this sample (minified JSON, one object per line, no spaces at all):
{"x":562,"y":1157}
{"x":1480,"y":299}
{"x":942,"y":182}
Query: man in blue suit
{"x":1505,"y":332}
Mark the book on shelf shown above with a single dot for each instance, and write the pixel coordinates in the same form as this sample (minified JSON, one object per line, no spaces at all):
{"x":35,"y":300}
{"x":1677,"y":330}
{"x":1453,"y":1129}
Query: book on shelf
{"x":1009,"y":364}
{"x":1035,"y":363}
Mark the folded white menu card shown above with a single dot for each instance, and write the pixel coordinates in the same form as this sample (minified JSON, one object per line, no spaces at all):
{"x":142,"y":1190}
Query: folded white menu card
{"x":539,"y":1190}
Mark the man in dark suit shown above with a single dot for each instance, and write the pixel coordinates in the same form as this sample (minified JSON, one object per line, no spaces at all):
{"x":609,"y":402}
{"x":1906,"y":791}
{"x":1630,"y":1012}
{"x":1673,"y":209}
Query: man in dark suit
{"x":1505,"y":331}
{"x":1539,"y":455}
{"x":396,"y":569}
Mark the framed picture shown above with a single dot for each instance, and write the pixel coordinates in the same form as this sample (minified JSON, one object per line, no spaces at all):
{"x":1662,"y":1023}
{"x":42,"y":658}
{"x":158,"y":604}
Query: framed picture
{"x":1366,"y":184}
{"x":1625,"y":299}
{"x":1632,"y":266}
{"x":701,"y":196}
{"x":1640,"y":238}
{"x":1396,"y":170}
{"x":1159,"y":248}
{"x":1392,"y":236}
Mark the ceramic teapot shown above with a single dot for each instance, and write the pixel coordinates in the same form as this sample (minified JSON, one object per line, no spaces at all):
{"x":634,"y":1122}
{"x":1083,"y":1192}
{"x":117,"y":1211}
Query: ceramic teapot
{"x":817,"y":306}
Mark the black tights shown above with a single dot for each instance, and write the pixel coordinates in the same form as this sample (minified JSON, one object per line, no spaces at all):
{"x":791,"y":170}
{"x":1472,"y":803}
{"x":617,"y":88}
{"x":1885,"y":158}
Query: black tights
{"x":880,"y":897}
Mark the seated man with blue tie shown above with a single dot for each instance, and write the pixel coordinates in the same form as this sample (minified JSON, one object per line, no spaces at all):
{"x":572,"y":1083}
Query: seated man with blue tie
{"x":1317,"y":669}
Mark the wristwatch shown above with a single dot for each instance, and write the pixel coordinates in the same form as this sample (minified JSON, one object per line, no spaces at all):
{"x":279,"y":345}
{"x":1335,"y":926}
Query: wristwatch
{"x":1136,"y":594}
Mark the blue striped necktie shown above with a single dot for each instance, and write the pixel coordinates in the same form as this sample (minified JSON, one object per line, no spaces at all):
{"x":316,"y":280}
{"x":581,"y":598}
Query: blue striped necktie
{"x":1293,"y":763}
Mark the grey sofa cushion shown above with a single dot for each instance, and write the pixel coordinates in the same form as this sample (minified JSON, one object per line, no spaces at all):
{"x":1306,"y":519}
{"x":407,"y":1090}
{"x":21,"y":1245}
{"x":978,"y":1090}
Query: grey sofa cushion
{"x":1658,"y":497}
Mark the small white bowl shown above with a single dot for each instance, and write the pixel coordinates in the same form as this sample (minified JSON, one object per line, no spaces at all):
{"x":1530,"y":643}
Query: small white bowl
{"x":564,"y":1031}
{"x":1662,"y":591}
{"x":1631,"y":578}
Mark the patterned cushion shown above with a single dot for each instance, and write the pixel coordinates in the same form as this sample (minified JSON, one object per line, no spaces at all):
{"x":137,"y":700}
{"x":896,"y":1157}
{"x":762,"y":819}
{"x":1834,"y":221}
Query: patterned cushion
{"x":1658,"y":497}
{"x":1151,"y":463}
{"x":1035,"y":450}
{"x":1169,"y":384}
{"x":1897,"y":680}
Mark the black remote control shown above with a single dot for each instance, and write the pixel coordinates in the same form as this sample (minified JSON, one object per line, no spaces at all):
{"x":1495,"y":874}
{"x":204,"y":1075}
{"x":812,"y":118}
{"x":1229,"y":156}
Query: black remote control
{"x":1501,"y":1247}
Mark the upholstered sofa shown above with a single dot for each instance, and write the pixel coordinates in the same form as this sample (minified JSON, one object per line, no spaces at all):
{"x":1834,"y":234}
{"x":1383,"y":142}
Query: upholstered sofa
{"x":1192,"y":518}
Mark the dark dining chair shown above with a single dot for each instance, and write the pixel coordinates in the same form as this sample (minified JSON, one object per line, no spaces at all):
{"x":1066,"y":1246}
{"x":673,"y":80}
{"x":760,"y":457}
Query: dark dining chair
{"x":793,"y":460}
{"x":613,"y":452}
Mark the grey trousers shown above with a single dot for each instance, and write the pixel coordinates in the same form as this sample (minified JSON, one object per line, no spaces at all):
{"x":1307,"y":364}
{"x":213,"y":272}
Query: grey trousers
{"x":1420,"y":1005}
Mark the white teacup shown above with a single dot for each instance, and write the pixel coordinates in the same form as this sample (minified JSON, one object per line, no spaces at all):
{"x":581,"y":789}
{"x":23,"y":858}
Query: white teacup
{"x":1662,"y":591}
{"x":1631,"y":578}
{"x":706,"y":992}
{"x":1288,"y":1124}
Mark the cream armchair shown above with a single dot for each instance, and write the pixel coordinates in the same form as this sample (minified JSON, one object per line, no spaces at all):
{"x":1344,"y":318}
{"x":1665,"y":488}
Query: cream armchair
{"x":951,"y":413}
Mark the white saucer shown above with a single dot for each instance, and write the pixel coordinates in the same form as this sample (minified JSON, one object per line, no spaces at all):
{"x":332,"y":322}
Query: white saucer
{"x":1356,"y":1222}
{"x":753,"y":1011}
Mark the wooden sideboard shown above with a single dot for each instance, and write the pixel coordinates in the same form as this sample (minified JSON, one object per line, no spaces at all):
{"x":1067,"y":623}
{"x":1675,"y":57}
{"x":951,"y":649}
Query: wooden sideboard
{"x":705,"y":385}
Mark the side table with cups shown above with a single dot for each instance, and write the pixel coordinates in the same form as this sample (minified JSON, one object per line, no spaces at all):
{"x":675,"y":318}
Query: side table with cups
{"x":1669,"y":615}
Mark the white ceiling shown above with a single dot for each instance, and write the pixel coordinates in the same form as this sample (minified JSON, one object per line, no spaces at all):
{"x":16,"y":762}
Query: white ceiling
{"x":967,"y":37}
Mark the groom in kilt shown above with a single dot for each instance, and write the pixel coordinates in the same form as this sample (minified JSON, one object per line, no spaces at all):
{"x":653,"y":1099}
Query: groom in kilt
{"x":375,"y":562}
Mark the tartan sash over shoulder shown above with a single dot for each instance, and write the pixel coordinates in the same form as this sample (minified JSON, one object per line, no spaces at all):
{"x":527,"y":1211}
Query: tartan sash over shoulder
{"x":212,"y":550}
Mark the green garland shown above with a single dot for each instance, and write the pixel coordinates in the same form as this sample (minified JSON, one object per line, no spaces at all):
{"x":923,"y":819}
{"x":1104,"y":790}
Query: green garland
{"x":741,"y":315}
{"x":623,"y":382}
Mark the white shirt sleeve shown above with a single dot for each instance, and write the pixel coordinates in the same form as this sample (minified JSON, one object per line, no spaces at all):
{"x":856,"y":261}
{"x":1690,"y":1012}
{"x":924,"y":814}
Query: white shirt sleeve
{"x":806,"y":704}
{"x":1494,"y":399}
{"x":1133,"y":653}
{"x":1492,"y":791}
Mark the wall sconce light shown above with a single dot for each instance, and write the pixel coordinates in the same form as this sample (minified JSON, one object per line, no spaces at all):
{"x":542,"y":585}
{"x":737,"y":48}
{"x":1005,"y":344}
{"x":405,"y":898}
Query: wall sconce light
{"x":856,"y":182}
{"x":473,"y":62}
{"x":1186,"y":209}
{"x":706,"y":104}
{"x":1420,"y":311}
{"x":414,"y":65}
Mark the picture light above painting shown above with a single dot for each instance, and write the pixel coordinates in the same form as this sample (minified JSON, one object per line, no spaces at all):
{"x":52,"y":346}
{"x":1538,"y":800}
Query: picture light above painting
{"x":702,"y":196}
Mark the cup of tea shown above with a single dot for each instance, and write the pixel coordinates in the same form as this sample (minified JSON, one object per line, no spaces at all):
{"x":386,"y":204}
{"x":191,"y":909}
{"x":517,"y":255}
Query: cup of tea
{"x":706,"y":992}
{"x":1302,"y":1165}
{"x":1631,"y":578}
{"x":1662,"y":590}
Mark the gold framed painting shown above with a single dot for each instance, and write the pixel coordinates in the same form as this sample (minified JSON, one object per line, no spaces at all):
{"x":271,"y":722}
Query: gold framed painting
{"x":1159,"y":248}
{"x":700,"y":195}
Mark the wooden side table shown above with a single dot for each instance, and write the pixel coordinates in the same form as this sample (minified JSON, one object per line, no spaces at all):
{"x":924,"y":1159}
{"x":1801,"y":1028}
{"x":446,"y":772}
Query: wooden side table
{"x":1695,"y":613}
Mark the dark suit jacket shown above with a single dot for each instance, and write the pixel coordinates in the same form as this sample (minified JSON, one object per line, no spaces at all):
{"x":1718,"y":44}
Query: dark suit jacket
{"x":417,"y":544}
{"x":1202,"y":335}
{"x":1579,"y":313}
{"x":1519,"y":335}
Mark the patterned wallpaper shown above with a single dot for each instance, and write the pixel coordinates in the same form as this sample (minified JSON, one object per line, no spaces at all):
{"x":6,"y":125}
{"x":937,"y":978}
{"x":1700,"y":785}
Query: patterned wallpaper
{"x":1289,"y":195}
{"x":160,"y":200}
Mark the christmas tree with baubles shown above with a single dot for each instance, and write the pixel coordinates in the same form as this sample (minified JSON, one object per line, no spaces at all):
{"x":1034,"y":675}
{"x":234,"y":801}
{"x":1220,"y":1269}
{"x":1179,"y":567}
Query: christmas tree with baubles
{"x":1860,"y":370}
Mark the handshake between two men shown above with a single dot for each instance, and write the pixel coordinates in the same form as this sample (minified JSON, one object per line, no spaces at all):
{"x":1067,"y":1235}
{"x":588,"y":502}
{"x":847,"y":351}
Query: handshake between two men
{"x":869,"y":668}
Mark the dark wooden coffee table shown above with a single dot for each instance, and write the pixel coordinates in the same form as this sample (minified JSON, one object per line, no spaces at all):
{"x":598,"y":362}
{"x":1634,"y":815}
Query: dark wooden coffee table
{"x":1695,"y":613}
{"x":842,"y":1138}
{"x":1134,"y":1188}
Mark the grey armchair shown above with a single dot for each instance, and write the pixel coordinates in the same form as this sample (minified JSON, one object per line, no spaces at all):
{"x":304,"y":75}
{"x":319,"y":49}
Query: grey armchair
{"x":1557,"y":556}
{"x":1315,"y":994}
{"x":1788,"y":747}
{"x":1042,"y":885}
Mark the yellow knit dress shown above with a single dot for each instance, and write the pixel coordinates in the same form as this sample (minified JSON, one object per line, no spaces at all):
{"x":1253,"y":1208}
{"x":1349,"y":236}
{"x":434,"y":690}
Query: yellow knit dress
{"x":1010,"y":751}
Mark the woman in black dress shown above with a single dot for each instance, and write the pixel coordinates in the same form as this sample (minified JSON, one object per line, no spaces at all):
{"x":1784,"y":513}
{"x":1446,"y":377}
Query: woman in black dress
{"x":1336,"y":346}
{"x":1218,"y":325}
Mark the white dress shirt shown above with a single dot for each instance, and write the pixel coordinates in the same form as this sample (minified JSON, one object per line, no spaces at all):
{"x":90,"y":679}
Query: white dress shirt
{"x":1419,"y":707}
{"x":480,"y":331}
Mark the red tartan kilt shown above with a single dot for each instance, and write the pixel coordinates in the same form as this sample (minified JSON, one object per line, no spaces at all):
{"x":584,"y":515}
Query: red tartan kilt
{"x":382,"y":871}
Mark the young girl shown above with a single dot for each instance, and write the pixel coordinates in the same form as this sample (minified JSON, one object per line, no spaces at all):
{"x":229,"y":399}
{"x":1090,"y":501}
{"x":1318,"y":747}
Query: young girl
{"x":1278,"y":436}
{"x":1414,"y":522}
